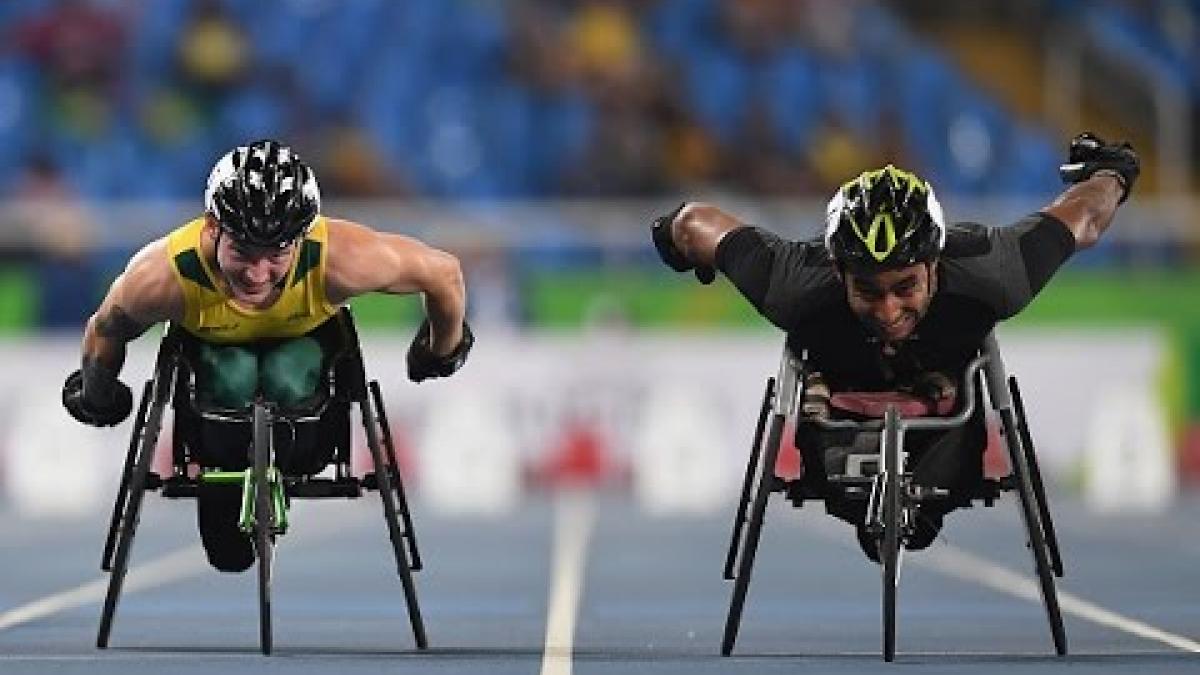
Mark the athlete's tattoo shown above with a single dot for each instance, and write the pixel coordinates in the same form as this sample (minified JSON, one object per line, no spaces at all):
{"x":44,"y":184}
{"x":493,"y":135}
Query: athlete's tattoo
{"x":118,"y":325}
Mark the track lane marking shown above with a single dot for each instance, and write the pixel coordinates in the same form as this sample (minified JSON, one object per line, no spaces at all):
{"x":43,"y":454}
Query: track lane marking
{"x":181,"y":563}
{"x":953,"y":561}
{"x":958,"y":563}
{"x":178,"y":564}
{"x":575,"y":516}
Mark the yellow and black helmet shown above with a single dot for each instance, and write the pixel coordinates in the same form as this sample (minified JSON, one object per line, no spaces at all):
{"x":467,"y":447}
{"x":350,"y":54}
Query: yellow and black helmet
{"x":884,"y":219}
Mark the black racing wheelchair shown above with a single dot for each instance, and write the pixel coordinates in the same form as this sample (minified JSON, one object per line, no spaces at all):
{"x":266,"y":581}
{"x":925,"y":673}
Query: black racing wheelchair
{"x":885,"y":483}
{"x":271,"y":464}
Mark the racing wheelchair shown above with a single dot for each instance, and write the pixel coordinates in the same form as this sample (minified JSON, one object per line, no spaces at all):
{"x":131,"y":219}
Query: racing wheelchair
{"x":280,"y":455}
{"x":885,"y":482}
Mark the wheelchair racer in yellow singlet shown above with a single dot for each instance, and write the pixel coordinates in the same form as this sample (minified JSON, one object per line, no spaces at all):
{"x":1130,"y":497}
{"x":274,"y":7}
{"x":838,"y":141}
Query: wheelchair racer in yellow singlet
{"x":258,"y":280}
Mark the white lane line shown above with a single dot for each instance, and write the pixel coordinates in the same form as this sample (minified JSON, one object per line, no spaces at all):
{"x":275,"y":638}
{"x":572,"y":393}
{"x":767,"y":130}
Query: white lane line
{"x":179,"y":564}
{"x":173,"y":566}
{"x":572,"y":530}
{"x":955,"y":562}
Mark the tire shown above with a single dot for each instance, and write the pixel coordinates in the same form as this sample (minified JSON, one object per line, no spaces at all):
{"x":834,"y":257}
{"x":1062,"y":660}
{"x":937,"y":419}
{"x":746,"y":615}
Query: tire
{"x":1033,"y":528}
{"x":890,"y":548}
{"x":1035,"y":477}
{"x":739,"y":518}
{"x":128,"y":521}
{"x":264,"y":538}
{"x":391,"y":515}
{"x":114,"y":524}
{"x":741,"y":584}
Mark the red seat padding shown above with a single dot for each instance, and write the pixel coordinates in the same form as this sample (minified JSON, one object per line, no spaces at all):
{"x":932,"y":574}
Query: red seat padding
{"x":873,"y":404}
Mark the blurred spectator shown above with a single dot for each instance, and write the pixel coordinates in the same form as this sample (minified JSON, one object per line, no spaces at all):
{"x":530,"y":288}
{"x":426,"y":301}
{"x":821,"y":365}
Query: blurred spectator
{"x":79,"y":48}
{"x":349,"y":165}
{"x":627,"y":149}
{"x":49,"y":213}
{"x":758,"y":29}
{"x":79,"y":44}
{"x":213,"y":56}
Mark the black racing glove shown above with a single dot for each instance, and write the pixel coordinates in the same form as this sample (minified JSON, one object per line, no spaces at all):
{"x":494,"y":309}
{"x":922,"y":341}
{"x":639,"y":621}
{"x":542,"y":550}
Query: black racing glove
{"x":660,"y":232}
{"x":95,"y":414}
{"x":424,"y":364}
{"x":1089,"y":154}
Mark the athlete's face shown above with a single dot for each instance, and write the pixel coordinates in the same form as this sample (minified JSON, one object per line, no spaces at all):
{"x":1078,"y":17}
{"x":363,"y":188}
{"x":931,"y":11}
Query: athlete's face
{"x":892,"y":302}
{"x":252,"y":273}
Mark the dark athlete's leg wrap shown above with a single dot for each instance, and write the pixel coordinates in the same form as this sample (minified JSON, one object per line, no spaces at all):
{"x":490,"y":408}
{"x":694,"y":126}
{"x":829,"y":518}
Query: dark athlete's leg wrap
{"x":217,"y":508}
{"x":950,"y":459}
{"x":226,"y":375}
{"x":290,"y":371}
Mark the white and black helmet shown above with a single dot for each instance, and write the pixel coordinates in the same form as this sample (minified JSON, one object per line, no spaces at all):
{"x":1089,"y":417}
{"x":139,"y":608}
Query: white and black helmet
{"x":262,"y":194}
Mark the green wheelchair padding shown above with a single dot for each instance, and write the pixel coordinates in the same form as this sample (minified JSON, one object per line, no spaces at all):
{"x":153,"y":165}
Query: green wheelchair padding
{"x":287,"y":372}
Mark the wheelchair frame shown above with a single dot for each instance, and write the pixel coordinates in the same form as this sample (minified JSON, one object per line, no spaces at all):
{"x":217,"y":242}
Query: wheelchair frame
{"x":892,"y":494}
{"x":266,"y":490}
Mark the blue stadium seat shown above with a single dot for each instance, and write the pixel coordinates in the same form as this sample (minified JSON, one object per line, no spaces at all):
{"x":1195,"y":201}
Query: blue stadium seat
{"x":789,"y":84}
{"x":19,"y":111}
{"x":679,"y":28}
{"x":851,"y":92}
{"x":254,"y":112}
{"x":718,"y":87}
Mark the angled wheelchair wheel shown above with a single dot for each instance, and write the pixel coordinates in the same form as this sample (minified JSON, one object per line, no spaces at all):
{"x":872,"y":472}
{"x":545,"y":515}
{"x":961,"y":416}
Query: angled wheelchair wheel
{"x":1035,"y":479}
{"x":1030,"y":514}
{"x":114,"y":523}
{"x":391,"y":515}
{"x":129,"y":499}
{"x":264,"y":538}
{"x":889,"y":550}
{"x":408,"y":533}
{"x":739,"y":518}
{"x":749,"y":547}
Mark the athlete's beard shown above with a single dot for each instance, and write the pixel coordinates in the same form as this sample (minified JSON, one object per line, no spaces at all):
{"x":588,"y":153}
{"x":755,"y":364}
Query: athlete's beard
{"x":912,"y":317}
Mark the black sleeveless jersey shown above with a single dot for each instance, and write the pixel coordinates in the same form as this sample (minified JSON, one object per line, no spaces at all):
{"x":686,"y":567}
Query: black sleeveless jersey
{"x":986,"y":274}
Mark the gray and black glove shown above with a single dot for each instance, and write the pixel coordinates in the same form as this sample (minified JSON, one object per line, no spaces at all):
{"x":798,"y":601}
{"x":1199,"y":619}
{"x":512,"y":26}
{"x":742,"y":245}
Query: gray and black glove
{"x":93,"y":413}
{"x":1089,"y":153}
{"x":424,"y":364}
{"x":664,"y":243}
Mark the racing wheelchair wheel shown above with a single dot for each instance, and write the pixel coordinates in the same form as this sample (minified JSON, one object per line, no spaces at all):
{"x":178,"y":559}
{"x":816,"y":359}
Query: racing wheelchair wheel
{"x":384,"y":466}
{"x":264,"y":538}
{"x":127,"y":510}
{"x":1031,"y":509}
{"x":890,"y":552}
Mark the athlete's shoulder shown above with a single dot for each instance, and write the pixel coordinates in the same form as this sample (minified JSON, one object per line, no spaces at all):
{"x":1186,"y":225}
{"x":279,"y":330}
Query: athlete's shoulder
{"x":149,"y":285}
{"x":967,"y":240}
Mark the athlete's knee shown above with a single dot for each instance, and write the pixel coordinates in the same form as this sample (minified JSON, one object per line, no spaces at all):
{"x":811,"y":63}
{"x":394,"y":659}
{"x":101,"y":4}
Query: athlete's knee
{"x":227,"y":376}
{"x":291,"y":372}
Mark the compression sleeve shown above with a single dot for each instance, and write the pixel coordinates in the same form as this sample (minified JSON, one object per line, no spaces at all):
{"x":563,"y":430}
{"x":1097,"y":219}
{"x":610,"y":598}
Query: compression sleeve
{"x":1010,"y":265}
{"x":777,"y":276}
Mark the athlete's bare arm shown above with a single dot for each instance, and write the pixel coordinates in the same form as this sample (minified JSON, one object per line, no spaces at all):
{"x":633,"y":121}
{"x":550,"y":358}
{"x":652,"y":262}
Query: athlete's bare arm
{"x":146,"y":293}
{"x":1087,"y":207}
{"x":361,"y":260}
{"x":697,"y":230}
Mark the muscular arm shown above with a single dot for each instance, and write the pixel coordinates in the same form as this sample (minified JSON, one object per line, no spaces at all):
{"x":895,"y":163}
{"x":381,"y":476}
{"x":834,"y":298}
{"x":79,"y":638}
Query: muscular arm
{"x":1087,"y":208}
{"x":698,"y":229}
{"x":362,"y":260}
{"x":146,"y":293}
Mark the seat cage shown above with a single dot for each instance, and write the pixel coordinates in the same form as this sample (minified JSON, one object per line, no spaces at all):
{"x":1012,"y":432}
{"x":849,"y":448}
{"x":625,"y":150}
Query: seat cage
{"x":325,"y":423}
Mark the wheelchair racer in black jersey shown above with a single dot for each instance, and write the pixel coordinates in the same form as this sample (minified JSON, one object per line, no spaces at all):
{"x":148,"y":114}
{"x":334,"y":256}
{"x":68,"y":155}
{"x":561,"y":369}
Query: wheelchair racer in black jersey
{"x":893,"y":298}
